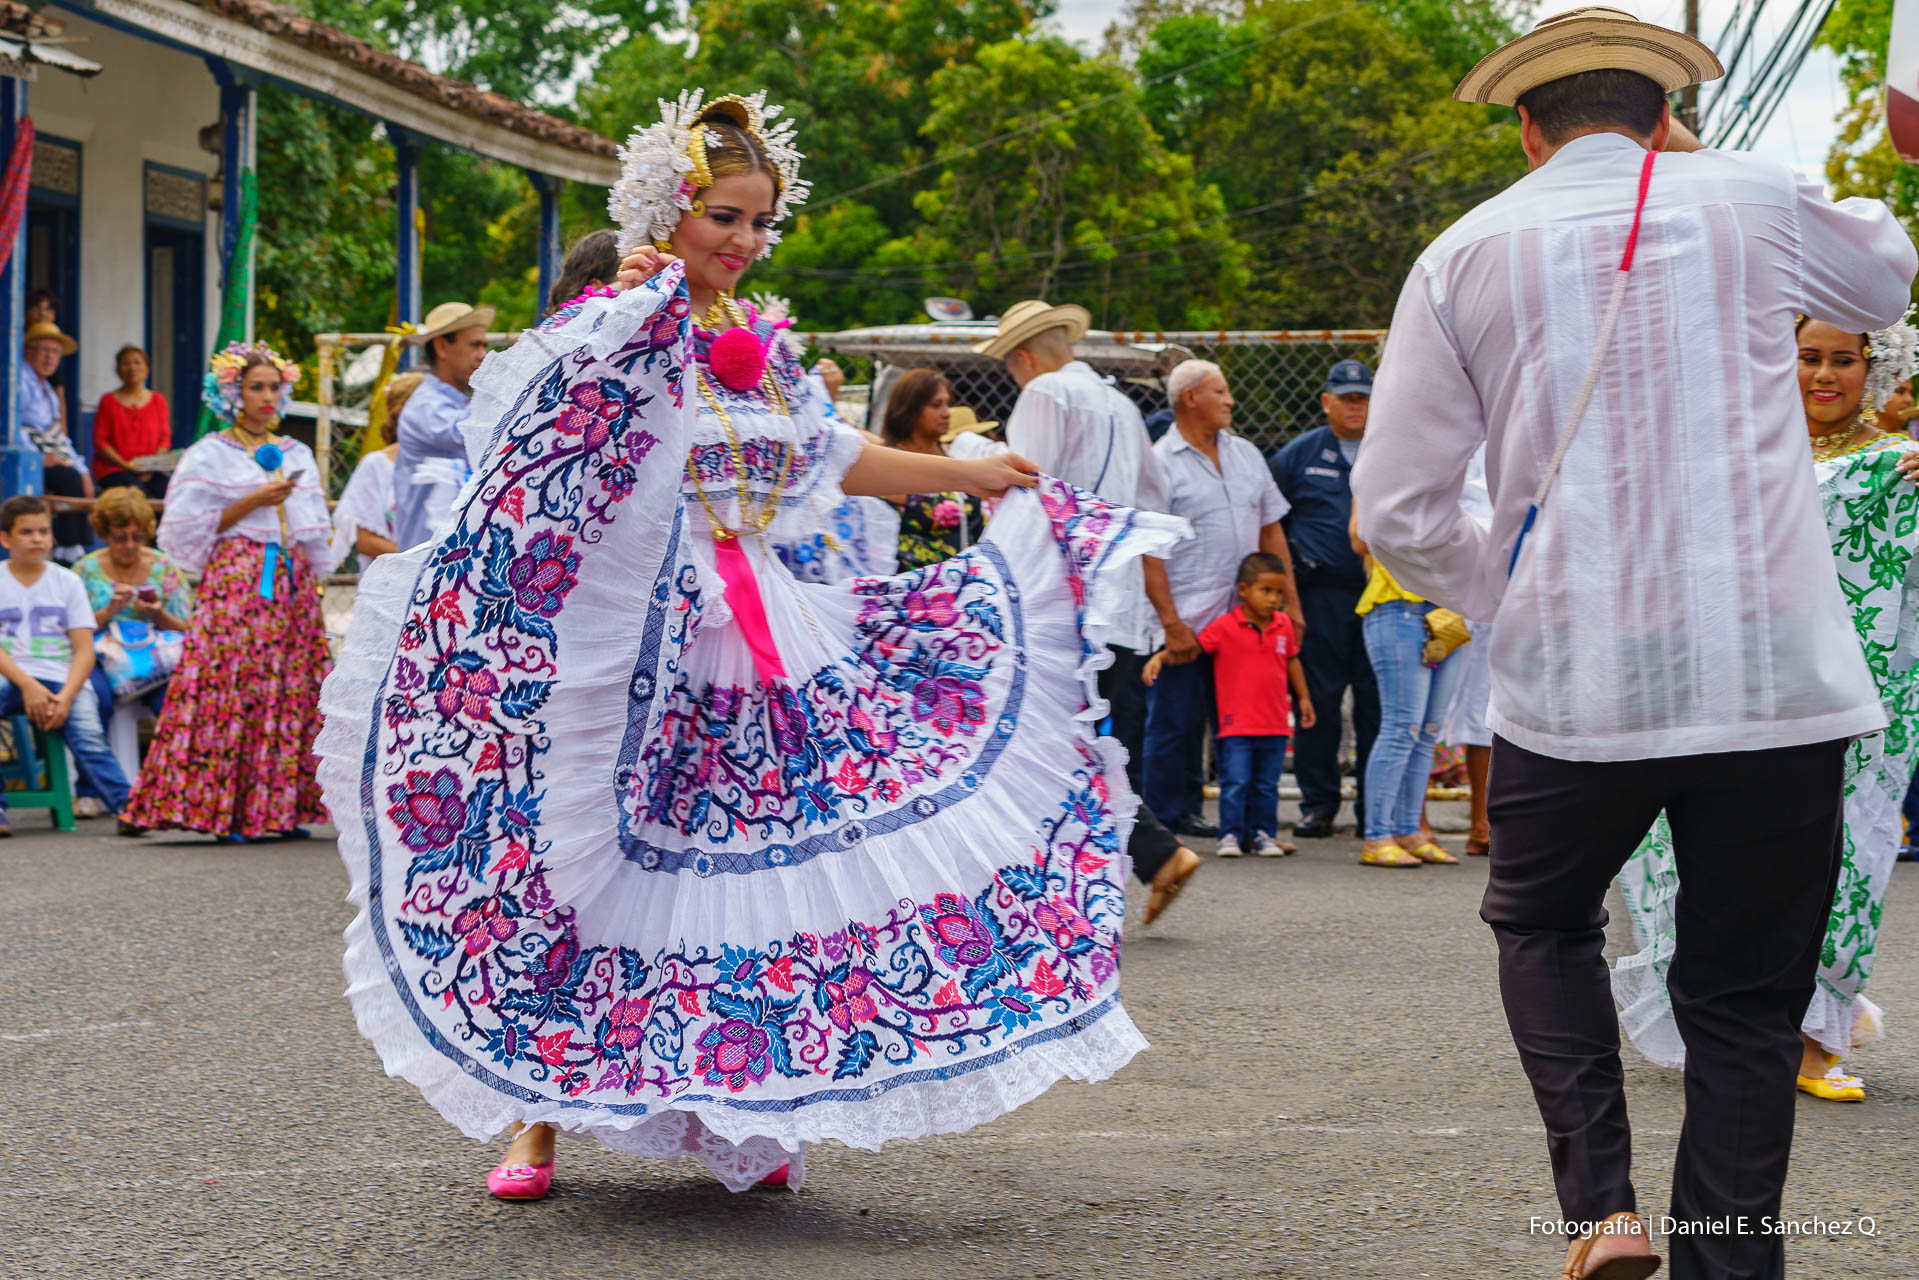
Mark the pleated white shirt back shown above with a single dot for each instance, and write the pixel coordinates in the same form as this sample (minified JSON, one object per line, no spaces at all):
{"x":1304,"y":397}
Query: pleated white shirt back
{"x":1676,"y":595}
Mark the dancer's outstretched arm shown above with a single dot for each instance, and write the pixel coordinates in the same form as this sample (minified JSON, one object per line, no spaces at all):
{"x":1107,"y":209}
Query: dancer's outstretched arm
{"x":881,"y":471}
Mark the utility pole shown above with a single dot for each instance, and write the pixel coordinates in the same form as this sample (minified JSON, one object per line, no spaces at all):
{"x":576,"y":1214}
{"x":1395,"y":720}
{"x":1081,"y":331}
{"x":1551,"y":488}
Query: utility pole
{"x":1689,"y":96}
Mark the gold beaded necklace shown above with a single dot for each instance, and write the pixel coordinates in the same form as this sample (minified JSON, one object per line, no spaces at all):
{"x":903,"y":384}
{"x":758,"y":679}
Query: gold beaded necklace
{"x":1840,"y":443}
{"x":756,"y":522}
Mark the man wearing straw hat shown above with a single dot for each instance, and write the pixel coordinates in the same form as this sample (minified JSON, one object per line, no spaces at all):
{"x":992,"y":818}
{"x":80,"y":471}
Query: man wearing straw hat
{"x":1076,"y":425}
{"x":432,"y":465}
{"x":1617,"y":328}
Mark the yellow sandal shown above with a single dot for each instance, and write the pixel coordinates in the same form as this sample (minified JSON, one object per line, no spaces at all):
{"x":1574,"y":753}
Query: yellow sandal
{"x":1385,"y":853}
{"x":1430,"y":852}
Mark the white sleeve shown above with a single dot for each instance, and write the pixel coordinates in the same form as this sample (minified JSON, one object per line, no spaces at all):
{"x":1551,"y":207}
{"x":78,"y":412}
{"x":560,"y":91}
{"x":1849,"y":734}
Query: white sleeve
{"x":79,"y":608}
{"x":1426,"y":422}
{"x":1272,"y":503}
{"x":1856,"y":261}
{"x":1036,"y":430}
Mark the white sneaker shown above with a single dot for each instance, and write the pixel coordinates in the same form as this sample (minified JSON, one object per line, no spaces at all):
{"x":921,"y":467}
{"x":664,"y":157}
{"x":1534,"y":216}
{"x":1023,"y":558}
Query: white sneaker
{"x":1267,"y":847}
{"x":1228,"y":847}
{"x":88,"y":807}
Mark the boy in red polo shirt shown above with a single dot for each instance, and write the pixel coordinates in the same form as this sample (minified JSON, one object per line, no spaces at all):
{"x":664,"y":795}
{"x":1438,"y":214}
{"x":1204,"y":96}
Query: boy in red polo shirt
{"x":1255,"y":657}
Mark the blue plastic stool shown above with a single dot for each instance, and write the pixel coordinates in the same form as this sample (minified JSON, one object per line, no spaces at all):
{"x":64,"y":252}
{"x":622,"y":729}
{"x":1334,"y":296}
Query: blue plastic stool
{"x":31,"y":748}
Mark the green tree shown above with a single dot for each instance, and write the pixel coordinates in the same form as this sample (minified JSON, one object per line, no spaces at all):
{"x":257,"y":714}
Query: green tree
{"x":1863,"y":162}
{"x":1054,"y":183}
{"x":1331,"y":133}
{"x":325,"y":246}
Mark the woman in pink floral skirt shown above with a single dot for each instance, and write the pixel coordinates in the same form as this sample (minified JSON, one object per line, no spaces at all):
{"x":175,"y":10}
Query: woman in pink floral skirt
{"x":232,"y":754}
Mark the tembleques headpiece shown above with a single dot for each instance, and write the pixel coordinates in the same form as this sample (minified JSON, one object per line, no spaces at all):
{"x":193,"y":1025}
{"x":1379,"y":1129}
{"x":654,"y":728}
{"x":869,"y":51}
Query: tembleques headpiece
{"x":663,"y":167}
{"x":220,"y":389}
{"x":1892,"y":357}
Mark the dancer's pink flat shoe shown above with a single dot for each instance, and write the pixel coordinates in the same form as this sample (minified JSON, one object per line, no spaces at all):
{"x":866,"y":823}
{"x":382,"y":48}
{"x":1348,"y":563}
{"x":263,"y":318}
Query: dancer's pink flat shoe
{"x":520,"y":1181}
{"x":777,"y":1178}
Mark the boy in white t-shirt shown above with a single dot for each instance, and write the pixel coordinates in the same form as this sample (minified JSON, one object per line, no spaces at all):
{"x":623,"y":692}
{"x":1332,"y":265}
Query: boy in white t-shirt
{"x":46,"y":648}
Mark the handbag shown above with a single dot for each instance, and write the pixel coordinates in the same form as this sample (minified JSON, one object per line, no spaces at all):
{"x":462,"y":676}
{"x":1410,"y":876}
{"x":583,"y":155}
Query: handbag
{"x":1445,"y":632}
{"x":136,"y":657}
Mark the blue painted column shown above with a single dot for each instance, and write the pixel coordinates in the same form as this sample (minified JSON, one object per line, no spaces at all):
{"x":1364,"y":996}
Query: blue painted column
{"x":549,"y":188}
{"x":239,"y":101}
{"x":20,"y":466}
{"x":408,"y":220}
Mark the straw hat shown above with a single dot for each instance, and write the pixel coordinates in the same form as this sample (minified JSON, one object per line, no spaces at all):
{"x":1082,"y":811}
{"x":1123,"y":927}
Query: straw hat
{"x":963,"y":421}
{"x":1593,"y":38}
{"x":1026,"y":320}
{"x":451,"y":317}
{"x":45,"y":329}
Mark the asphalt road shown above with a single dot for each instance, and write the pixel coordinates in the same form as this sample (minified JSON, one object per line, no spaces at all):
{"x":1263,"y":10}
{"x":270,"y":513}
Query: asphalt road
{"x":1330,"y":1092}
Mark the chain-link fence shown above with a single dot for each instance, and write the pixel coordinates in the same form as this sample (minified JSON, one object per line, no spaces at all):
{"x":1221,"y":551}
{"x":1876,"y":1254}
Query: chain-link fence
{"x":1276,"y":375}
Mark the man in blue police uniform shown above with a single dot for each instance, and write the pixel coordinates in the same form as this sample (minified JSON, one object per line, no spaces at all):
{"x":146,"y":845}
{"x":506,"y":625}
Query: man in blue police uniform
{"x":1314,"y":474}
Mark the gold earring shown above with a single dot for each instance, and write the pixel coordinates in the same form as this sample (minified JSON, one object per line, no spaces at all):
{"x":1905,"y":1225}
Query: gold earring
{"x":697,"y":208}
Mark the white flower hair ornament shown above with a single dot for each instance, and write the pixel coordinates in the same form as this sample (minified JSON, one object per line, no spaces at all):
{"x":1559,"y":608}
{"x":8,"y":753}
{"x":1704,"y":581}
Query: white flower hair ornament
{"x":663,"y":167}
{"x":1892,"y":355}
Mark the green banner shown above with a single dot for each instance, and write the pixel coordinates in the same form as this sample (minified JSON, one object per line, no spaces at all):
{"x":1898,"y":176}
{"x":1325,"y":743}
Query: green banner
{"x":239,"y":292}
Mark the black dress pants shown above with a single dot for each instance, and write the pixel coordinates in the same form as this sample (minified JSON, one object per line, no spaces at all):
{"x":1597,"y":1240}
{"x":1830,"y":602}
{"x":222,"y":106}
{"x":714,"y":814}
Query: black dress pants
{"x":1151,"y":845}
{"x":1333,"y":654}
{"x":1756,"y":835}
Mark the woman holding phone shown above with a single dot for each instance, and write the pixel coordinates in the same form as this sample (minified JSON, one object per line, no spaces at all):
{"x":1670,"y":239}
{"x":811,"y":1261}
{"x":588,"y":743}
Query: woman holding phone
{"x":232,"y":752}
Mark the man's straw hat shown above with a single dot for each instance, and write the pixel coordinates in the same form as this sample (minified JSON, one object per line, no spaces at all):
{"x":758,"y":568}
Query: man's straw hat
{"x":962,"y":421}
{"x":45,"y":330}
{"x":1593,"y":38}
{"x":1027,"y":320}
{"x":451,"y":317}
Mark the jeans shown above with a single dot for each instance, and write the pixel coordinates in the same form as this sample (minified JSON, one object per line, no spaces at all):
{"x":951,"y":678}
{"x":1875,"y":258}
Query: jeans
{"x":1413,"y":702}
{"x":1179,"y":706}
{"x":1249,"y":768}
{"x":86,"y":735}
{"x":1333,"y":654}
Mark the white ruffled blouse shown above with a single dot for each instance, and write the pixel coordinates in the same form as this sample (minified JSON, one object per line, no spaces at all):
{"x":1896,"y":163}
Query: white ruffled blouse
{"x":216,"y":473}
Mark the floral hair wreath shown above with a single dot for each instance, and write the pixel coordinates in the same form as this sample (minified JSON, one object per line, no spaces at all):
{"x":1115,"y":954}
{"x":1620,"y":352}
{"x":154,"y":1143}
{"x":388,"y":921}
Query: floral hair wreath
{"x":1892,"y":356}
{"x":220,"y":389}
{"x":663,"y":166}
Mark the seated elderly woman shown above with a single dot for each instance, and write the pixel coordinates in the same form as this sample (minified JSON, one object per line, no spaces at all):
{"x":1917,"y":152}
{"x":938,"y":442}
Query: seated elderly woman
{"x":129,"y":581}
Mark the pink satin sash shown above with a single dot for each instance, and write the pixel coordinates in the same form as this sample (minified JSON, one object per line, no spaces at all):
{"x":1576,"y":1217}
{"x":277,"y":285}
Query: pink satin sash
{"x":749,"y":611}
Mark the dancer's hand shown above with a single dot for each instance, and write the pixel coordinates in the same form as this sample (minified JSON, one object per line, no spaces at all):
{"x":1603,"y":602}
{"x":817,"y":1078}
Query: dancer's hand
{"x":1908,"y":466}
{"x":642,"y":265}
{"x":993,"y":475}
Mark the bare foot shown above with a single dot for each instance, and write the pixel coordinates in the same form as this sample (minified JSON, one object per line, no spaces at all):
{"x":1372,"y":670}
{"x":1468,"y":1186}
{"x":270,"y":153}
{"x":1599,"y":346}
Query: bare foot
{"x":533,"y":1145}
{"x":1620,"y":1236}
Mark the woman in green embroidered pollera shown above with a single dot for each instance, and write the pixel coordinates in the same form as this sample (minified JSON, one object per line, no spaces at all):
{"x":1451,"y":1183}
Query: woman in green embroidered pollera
{"x":1872,"y":515}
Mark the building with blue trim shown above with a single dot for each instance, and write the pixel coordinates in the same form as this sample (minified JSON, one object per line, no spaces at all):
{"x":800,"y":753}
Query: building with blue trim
{"x":128,"y":221}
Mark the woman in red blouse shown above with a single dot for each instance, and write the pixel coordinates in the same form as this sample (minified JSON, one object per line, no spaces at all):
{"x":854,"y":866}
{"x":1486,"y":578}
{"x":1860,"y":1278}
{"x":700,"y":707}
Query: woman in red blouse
{"x":131,"y":423}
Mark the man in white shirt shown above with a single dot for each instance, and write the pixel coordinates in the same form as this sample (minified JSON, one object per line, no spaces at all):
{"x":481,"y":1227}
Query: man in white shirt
{"x":1076,"y":425}
{"x":1670,"y":634}
{"x":46,"y":649}
{"x":1219,"y":482}
{"x":432,"y":464}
